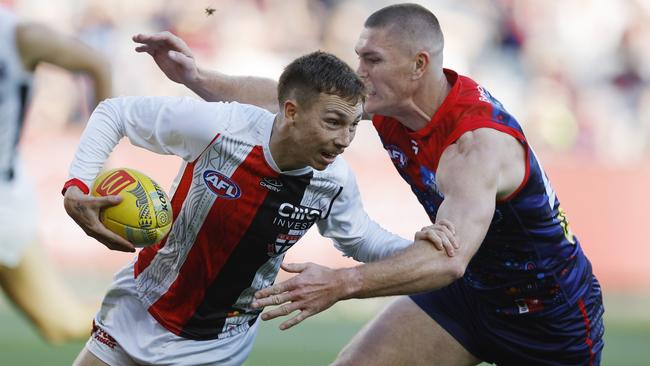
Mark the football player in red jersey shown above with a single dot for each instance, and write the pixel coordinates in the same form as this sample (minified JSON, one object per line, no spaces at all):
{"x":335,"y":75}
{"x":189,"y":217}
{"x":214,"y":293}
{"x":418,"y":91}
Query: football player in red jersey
{"x":519,"y":291}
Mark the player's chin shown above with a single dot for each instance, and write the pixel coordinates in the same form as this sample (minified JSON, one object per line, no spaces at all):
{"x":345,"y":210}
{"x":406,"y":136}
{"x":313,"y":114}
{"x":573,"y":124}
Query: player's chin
{"x":319,"y":166}
{"x":372,"y":105}
{"x":321,"y":162}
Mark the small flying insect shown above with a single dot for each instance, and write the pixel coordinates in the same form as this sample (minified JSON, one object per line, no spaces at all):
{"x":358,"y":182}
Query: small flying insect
{"x":209,"y":11}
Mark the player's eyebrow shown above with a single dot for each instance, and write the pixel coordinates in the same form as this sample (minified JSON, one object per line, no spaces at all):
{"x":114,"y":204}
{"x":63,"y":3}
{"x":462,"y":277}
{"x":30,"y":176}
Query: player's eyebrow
{"x":339,"y":114}
{"x":344,"y":116}
{"x":367,"y":53}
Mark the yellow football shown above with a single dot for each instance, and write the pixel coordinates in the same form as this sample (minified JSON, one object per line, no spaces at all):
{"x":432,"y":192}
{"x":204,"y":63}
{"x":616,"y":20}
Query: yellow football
{"x":144,"y":216}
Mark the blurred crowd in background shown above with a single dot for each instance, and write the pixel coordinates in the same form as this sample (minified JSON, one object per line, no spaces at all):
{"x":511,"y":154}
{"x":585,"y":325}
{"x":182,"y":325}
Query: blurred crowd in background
{"x":575,"y":73}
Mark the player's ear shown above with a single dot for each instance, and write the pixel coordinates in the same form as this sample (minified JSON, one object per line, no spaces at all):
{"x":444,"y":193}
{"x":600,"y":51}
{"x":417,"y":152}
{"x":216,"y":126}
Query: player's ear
{"x":420,"y":65}
{"x":290,"y":109}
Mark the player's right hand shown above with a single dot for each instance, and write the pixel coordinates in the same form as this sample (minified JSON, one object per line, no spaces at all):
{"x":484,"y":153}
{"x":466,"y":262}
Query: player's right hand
{"x":84,"y":210}
{"x":442,"y":235}
{"x":171,"y":54}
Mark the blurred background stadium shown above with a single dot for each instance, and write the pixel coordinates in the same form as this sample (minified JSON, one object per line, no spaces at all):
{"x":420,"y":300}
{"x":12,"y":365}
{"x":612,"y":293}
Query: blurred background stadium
{"x":576,"y":74}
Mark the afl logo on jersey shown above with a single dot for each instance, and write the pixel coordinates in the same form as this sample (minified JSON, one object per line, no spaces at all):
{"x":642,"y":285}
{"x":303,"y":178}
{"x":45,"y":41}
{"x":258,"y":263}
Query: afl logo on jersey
{"x":397,"y":156}
{"x":221,"y":185}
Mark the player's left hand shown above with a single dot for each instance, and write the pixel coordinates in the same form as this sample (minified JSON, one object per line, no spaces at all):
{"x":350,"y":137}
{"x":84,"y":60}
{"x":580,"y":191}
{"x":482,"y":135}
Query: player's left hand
{"x":442,"y":235}
{"x":314,"y":289}
{"x":171,"y":54}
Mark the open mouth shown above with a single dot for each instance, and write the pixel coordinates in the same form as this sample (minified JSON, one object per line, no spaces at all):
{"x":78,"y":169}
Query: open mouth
{"x":328,"y":157}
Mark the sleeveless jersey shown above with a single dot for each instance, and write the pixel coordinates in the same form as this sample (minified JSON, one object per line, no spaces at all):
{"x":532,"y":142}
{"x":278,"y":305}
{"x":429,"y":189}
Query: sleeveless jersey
{"x":529,"y":261}
{"x":15,"y":84}
{"x":235,"y":212}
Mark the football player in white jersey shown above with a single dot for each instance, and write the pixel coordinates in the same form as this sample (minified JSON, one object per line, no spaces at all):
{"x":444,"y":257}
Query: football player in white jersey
{"x":251,"y":185}
{"x":25,"y":274}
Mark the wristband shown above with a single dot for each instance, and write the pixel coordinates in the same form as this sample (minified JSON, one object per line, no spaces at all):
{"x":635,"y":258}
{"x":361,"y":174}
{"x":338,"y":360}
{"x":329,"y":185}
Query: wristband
{"x":76,"y":183}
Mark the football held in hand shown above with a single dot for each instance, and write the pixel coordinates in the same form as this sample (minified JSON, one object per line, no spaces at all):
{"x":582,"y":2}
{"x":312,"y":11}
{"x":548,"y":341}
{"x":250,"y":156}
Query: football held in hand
{"x":144,"y":216}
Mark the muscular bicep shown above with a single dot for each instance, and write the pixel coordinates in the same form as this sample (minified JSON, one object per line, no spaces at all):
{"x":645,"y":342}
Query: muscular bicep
{"x":468,"y":175}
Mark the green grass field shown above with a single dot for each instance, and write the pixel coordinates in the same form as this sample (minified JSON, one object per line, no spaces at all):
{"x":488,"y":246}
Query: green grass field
{"x":317,"y":340}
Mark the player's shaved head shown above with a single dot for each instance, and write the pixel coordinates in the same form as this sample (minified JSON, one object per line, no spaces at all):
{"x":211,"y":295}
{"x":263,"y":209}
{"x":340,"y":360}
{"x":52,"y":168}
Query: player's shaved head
{"x":413,"y":23}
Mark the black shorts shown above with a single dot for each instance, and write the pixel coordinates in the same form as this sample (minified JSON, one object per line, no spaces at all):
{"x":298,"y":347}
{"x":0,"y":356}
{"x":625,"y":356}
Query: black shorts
{"x":573,"y":335}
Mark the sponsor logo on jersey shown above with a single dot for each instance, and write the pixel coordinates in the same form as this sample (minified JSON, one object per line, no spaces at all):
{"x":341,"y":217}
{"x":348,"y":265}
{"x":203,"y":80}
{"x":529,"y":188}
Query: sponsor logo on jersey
{"x":272,"y":184}
{"x":296,"y":217}
{"x":486,"y":97}
{"x":115,"y":183}
{"x":298,"y":212}
{"x":102,"y":336}
{"x":221,"y":185}
{"x":397,"y":156}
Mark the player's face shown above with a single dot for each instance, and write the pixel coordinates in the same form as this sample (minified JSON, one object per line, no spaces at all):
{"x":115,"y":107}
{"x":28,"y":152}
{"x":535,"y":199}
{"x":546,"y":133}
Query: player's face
{"x":386,"y":68}
{"x":324,"y":130}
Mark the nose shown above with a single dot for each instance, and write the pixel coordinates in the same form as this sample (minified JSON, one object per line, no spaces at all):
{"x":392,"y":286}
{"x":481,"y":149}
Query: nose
{"x":344,"y":138}
{"x":361,"y":71}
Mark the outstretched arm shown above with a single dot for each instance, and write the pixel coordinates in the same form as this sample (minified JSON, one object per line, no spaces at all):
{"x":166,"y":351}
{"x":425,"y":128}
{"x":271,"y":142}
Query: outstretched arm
{"x":469,"y":177}
{"x":38,"y":43}
{"x":176,"y":60}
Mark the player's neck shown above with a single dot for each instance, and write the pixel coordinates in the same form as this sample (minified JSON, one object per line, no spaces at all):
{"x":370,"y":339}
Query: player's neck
{"x":280,"y":145}
{"x":417,"y":111}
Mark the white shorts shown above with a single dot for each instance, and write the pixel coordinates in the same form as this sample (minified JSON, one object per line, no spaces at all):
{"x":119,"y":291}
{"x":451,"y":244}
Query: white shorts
{"x":126,"y":334}
{"x":18,"y":218}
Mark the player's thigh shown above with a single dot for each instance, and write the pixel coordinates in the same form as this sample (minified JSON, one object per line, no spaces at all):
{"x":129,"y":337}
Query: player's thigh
{"x":403,"y":334}
{"x":19,"y":280}
{"x":86,"y":358}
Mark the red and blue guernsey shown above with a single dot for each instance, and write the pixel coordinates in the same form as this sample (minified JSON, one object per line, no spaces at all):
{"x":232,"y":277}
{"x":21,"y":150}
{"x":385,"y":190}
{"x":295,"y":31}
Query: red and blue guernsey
{"x":528,"y":295}
{"x":529,"y":261}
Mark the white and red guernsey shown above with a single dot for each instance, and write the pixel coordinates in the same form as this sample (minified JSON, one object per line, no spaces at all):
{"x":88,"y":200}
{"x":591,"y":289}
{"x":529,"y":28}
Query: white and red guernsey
{"x":235,"y":213}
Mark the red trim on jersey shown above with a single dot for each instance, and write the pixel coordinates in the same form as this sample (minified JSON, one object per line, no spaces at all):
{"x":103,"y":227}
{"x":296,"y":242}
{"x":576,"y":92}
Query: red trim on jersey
{"x":588,"y":341}
{"x":214,"y":245}
{"x":147,"y":254}
{"x":524,"y":181}
{"x":76,"y":183}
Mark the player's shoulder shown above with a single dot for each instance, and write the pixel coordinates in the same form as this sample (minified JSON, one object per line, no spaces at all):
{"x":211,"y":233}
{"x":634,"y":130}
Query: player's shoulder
{"x":482,"y":140}
{"x":245,"y":120}
{"x":338,"y":172}
{"x":249,"y":113}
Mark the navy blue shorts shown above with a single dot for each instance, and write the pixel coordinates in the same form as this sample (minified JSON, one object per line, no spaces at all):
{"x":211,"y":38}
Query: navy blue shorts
{"x":572,"y":335}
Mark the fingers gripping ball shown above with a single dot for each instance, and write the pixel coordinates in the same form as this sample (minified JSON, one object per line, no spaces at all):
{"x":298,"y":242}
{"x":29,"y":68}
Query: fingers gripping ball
{"x":144,"y":216}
